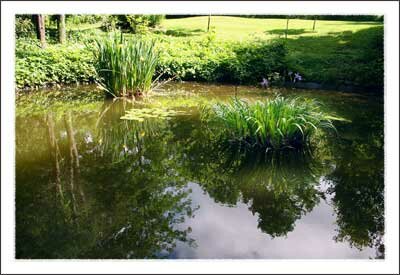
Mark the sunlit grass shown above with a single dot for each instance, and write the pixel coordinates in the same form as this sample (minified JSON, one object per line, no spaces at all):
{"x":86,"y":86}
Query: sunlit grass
{"x":239,"y":28}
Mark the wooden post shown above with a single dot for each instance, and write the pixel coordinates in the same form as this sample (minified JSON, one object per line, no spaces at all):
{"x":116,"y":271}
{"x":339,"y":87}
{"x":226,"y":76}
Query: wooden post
{"x":209,"y":19}
{"x":287,"y":27}
{"x":61,"y":28}
{"x":313,"y":27}
{"x":41,"y":29}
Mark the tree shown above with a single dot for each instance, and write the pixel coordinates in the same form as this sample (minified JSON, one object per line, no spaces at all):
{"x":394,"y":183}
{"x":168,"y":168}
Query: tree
{"x":61,"y":28}
{"x":39,"y":21}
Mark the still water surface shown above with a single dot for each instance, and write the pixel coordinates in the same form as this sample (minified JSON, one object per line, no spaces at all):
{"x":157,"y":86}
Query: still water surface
{"x":90,"y":185}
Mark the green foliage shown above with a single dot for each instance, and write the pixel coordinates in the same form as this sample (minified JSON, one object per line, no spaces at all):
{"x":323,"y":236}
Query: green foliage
{"x":155,"y":19}
{"x":237,"y":50}
{"x":77,"y":19}
{"x":276,"y":123}
{"x":125,"y":66}
{"x":109,"y":23}
{"x":135,"y":23}
{"x":340,"y":58}
{"x":56,"y":64}
{"x":24,"y":26}
{"x":216,"y":61}
{"x":256,"y":60}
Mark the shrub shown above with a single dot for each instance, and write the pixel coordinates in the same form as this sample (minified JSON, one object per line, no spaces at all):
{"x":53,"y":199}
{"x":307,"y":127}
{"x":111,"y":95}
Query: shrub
{"x":200,"y":60}
{"x":24,"y":26}
{"x":257,"y":59}
{"x":139,"y":24}
{"x":155,"y":20}
{"x":125,"y":66}
{"x":57,"y":64}
{"x":275,"y":123}
{"x":78,"y":19}
{"x":214,"y":61}
{"x":109,"y":23}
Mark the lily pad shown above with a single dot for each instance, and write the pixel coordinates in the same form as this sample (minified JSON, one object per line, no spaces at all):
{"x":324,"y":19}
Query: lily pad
{"x":143,"y":113}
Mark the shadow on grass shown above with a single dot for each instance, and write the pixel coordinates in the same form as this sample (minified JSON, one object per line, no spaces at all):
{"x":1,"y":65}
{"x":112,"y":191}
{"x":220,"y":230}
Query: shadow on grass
{"x":364,"y":23}
{"x":289,"y":31}
{"x":354,"y":58}
{"x":181,"y":32}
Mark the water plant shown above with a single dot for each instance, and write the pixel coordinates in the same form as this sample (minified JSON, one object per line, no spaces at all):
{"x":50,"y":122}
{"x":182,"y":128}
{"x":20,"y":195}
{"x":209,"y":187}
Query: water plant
{"x":125,"y":66}
{"x":144,"y":113}
{"x":274,"y":123}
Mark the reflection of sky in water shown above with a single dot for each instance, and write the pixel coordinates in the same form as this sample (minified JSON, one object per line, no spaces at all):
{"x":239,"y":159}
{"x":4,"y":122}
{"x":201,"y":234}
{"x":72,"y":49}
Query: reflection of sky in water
{"x":231,"y":232}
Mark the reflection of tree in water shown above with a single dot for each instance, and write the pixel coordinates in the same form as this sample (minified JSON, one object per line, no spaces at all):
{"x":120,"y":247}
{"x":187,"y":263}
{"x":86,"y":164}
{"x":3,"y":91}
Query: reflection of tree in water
{"x":358,"y":187}
{"x":108,"y":203}
{"x":116,"y":189}
{"x":280,"y":188}
{"x":49,"y":198}
{"x":148,"y":194}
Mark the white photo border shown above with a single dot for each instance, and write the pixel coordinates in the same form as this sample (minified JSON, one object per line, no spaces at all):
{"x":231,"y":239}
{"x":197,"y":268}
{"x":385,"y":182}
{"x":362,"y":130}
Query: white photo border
{"x":390,"y":265}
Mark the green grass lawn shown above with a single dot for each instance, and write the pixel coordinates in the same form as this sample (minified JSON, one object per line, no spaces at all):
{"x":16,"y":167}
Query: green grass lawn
{"x":335,"y":52}
{"x":237,"y":28}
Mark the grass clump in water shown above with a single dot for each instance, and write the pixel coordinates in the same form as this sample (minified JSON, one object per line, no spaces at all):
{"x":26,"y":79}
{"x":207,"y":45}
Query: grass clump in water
{"x":125,"y":67}
{"x":275,"y":123}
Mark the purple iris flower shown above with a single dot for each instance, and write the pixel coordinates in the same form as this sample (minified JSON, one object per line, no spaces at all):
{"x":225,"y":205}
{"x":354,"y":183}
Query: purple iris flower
{"x":298,"y":77}
{"x":264,"y":83}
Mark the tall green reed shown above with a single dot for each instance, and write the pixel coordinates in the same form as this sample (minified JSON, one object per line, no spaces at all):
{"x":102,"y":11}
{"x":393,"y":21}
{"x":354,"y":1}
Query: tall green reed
{"x":275,"y":123}
{"x":125,"y":66}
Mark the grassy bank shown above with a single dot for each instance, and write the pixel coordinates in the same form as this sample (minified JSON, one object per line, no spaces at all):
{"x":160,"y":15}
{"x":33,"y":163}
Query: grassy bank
{"x":236,"y":50}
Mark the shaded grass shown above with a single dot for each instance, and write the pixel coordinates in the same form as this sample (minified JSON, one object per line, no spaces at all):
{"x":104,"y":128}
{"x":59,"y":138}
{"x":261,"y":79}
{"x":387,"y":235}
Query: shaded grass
{"x":181,"y":32}
{"x":341,"y":57}
{"x":289,"y":31}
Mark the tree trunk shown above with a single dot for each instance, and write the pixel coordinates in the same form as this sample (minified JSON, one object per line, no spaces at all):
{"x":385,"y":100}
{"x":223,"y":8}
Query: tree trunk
{"x":313,"y":27}
{"x":61,"y":28}
{"x":208,"y":25}
{"x":40,"y":28}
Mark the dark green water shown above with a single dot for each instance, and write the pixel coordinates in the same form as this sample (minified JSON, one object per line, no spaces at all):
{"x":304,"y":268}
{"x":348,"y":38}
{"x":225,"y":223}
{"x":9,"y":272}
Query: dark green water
{"x":90,"y":185}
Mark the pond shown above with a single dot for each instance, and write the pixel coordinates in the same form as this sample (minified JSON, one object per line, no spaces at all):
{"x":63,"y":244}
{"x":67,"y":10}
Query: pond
{"x":90,"y":185}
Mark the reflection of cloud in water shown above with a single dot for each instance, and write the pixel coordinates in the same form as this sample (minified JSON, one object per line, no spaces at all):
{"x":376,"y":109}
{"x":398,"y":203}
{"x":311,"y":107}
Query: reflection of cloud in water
{"x":231,"y":232}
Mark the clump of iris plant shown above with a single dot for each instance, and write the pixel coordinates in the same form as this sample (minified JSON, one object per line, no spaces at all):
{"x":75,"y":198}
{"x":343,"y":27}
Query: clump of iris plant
{"x":273,"y":123}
